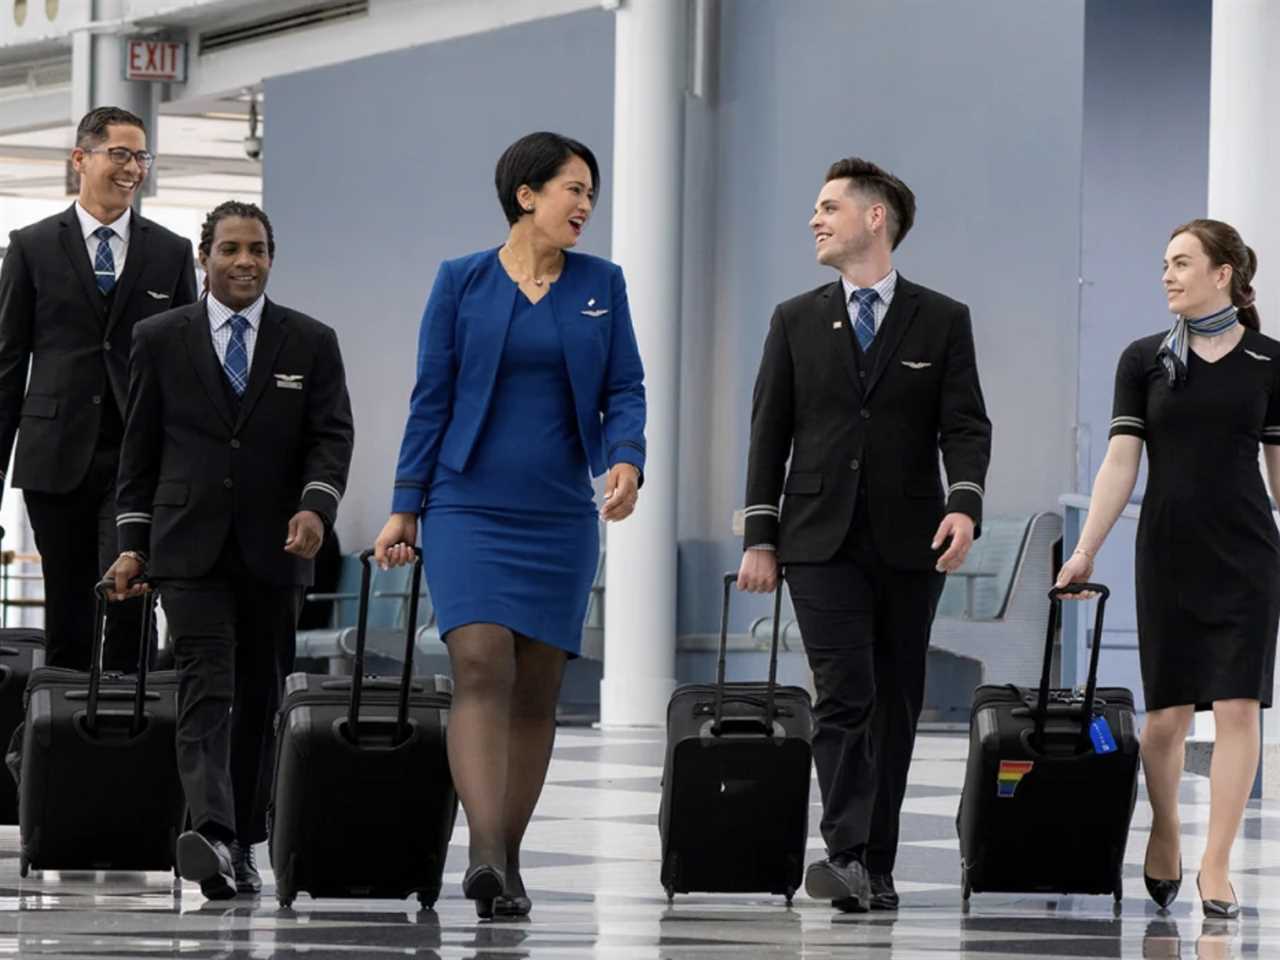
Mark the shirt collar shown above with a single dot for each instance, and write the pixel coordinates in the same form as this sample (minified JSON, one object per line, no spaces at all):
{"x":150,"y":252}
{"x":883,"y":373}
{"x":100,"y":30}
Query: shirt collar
{"x":220,"y":314}
{"x":885,"y":286}
{"x":90,"y":223}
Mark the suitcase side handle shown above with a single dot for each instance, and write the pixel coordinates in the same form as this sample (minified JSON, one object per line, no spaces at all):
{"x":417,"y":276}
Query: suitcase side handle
{"x":362,"y":631}
{"x":102,"y":590}
{"x":730,"y":580}
{"x":1091,"y":687}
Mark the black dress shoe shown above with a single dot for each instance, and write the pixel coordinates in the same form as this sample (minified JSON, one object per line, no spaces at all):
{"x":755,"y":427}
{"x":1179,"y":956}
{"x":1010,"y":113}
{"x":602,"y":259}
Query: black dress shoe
{"x":248,"y":880}
{"x":208,"y":862}
{"x":1222,"y":909}
{"x":1163,"y":892}
{"x":843,"y":882}
{"x":483,"y":884}
{"x":883,"y":895}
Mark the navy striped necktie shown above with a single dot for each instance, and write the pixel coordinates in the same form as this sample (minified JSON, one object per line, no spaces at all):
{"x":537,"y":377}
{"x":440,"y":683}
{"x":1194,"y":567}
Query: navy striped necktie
{"x":104,"y":262}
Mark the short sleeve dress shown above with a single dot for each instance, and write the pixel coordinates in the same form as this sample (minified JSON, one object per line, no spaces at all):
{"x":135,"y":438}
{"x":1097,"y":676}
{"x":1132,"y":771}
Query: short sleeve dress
{"x":1207,"y":556}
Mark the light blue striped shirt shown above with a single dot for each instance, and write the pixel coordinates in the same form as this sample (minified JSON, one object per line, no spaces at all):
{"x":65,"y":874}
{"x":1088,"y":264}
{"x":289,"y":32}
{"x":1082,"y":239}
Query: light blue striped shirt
{"x":220,"y":326}
{"x":886,"y":286}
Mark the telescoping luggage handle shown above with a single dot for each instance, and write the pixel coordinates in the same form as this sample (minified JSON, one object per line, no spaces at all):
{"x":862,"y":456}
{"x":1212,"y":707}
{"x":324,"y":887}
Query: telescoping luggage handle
{"x":730,"y":579}
{"x":362,"y":630}
{"x":103,"y":592}
{"x":1091,"y":686}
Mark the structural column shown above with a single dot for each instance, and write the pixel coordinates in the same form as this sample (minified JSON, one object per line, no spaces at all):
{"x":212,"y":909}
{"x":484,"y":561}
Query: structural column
{"x":650,"y":74}
{"x":1244,"y":152}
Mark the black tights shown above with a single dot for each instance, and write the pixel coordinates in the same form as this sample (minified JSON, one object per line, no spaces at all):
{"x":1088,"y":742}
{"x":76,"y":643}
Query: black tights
{"x":501,"y":729}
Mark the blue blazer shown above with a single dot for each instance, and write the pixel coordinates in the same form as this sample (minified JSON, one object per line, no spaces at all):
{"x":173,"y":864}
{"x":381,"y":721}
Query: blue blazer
{"x":464,"y":329}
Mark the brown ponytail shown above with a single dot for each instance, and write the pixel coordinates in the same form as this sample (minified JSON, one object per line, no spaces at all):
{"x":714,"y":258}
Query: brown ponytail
{"x":1223,"y":244}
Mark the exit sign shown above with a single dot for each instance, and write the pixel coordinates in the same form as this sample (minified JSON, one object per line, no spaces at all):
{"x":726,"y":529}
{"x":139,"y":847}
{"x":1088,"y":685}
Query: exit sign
{"x":156,"y":60}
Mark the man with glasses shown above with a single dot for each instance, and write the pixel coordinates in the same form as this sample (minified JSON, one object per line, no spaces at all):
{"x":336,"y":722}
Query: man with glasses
{"x":72,"y":287}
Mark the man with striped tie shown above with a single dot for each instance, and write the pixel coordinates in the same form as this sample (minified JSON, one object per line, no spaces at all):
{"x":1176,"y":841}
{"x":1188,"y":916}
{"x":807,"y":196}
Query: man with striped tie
{"x":71,"y":289}
{"x":862,"y":383}
{"x":237,"y":443}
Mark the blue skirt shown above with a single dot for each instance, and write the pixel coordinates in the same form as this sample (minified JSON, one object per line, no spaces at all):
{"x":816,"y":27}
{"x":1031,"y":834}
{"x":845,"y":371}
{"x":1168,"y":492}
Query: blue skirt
{"x":530,"y":573}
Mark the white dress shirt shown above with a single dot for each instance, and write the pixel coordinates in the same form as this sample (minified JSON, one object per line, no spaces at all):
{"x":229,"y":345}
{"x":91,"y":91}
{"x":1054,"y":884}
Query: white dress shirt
{"x":119,"y":244}
{"x":220,"y":327}
{"x":885,"y":286}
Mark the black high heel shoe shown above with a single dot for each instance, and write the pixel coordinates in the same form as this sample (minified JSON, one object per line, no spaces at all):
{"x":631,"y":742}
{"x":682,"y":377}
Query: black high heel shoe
{"x":1163,"y":892}
{"x":483,"y":884}
{"x":513,"y":906}
{"x":1222,"y":909}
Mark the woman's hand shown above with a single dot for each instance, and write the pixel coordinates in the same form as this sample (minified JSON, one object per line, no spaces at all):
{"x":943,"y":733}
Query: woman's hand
{"x":394,"y":546}
{"x":1077,"y":569}
{"x":621,"y":491}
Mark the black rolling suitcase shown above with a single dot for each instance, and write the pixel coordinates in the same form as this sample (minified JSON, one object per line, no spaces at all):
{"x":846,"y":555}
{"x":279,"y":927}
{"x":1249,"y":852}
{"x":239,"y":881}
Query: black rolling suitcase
{"x":1050,"y":785}
{"x":363,"y":803}
{"x":21,"y":652}
{"x":735,"y":786}
{"x":99,"y":787}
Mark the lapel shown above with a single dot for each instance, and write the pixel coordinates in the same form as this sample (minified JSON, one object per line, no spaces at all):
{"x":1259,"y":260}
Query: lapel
{"x":74,"y":247}
{"x":272,"y":334}
{"x":893,"y":328}
{"x":205,"y":359}
{"x":486,"y":331}
{"x":835,"y":312}
{"x":139,"y":231}
{"x":562,"y":296}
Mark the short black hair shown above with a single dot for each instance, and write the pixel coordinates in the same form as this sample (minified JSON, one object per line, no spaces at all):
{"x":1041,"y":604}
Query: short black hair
{"x":93,"y":125}
{"x":534,"y":159}
{"x":874,"y":181}
{"x":234,"y":208}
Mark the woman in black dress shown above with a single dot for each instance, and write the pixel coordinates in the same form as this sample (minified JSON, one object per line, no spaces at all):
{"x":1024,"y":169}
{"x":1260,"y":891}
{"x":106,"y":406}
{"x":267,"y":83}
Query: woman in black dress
{"x":1201,"y":397}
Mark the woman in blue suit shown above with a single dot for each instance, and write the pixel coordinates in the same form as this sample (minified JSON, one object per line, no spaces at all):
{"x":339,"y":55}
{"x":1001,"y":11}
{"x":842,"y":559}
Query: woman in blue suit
{"x":529,"y":383}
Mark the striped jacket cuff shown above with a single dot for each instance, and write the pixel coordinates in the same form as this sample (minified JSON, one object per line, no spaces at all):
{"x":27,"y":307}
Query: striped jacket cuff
{"x":1128,"y":427}
{"x":1271,"y":435}
{"x":322,"y":498}
{"x":133,"y":531}
{"x":760,"y":525}
{"x":965,"y":496}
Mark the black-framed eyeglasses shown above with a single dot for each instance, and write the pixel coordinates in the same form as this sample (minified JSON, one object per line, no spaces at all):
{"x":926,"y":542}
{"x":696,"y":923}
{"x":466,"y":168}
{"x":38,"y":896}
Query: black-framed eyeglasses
{"x":122,"y":155}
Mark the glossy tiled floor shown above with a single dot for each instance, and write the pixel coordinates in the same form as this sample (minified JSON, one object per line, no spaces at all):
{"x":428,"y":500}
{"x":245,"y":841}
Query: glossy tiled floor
{"x":592,"y":870}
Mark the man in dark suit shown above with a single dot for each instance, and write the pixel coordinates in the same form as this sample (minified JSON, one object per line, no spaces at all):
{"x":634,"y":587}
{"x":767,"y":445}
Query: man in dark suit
{"x":71,"y":289}
{"x":862,"y":382}
{"x":236,"y":450}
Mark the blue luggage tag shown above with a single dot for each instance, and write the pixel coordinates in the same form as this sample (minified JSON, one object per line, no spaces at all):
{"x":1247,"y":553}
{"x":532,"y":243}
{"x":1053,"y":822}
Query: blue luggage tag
{"x":1100,"y":734}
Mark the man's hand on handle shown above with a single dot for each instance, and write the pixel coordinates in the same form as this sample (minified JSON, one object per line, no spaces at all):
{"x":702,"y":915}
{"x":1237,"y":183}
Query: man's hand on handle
{"x":394,"y":546}
{"x":126,"y":569}
{"x":758,"y":572}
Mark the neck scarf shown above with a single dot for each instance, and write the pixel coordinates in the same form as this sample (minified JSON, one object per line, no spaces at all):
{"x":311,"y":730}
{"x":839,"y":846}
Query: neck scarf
{"x":1173,"y":351}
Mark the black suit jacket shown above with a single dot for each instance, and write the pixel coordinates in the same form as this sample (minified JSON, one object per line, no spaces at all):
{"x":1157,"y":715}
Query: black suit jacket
{"x":882,"y":433}
{"x":190,"y":469}
{"x":52,"y":314}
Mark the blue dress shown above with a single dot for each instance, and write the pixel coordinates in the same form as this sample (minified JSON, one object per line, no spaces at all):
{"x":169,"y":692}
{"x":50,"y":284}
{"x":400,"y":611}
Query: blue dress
{"x":514,"y":540}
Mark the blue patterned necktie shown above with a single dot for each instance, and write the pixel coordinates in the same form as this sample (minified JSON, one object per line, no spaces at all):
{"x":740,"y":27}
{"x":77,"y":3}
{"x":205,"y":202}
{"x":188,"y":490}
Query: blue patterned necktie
{"x":104,"y":264}
{"x":236,"y":362}
{"x":864,"y":326}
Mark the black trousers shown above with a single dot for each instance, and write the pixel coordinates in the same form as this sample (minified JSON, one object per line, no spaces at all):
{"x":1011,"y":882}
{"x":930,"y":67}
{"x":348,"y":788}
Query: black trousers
{"x":233,"y":646}
{"x":76,"y":535}
{"x":866,"y":633}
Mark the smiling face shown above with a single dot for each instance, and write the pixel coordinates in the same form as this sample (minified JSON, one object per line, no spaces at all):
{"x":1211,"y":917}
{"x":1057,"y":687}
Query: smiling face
{"x":105,"y":187}
{"x":844,"y":224}
{"x":563,"y":206}
{"x":1193,"y":286}
{"x":237,"y":263}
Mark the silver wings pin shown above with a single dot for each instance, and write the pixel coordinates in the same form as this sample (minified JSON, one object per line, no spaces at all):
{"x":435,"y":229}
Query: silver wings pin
{"x":916,"y":364}
{"x":154,"y":295}
{"x":1257,"y":356}
{"x":593,"y":313}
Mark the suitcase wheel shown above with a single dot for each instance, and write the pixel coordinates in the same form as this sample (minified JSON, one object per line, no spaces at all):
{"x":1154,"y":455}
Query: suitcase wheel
{"x":791,"y":892}
{"x":24,"y":866}
{"x":965,"y":889}
{"x":671,"y":894}
{"x":1119,"y":888}
{"x":426,"y":901}
{"x":285,"y":901}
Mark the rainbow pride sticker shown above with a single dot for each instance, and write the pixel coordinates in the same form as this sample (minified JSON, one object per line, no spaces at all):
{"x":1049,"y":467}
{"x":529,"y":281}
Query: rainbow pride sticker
{"x":1010,"y":775}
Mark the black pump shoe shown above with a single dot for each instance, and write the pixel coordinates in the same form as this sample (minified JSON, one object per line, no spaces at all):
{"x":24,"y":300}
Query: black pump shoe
{"x":1163,"y":892}
{"x":483,"y":884}
{"x":1222,"y":909}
